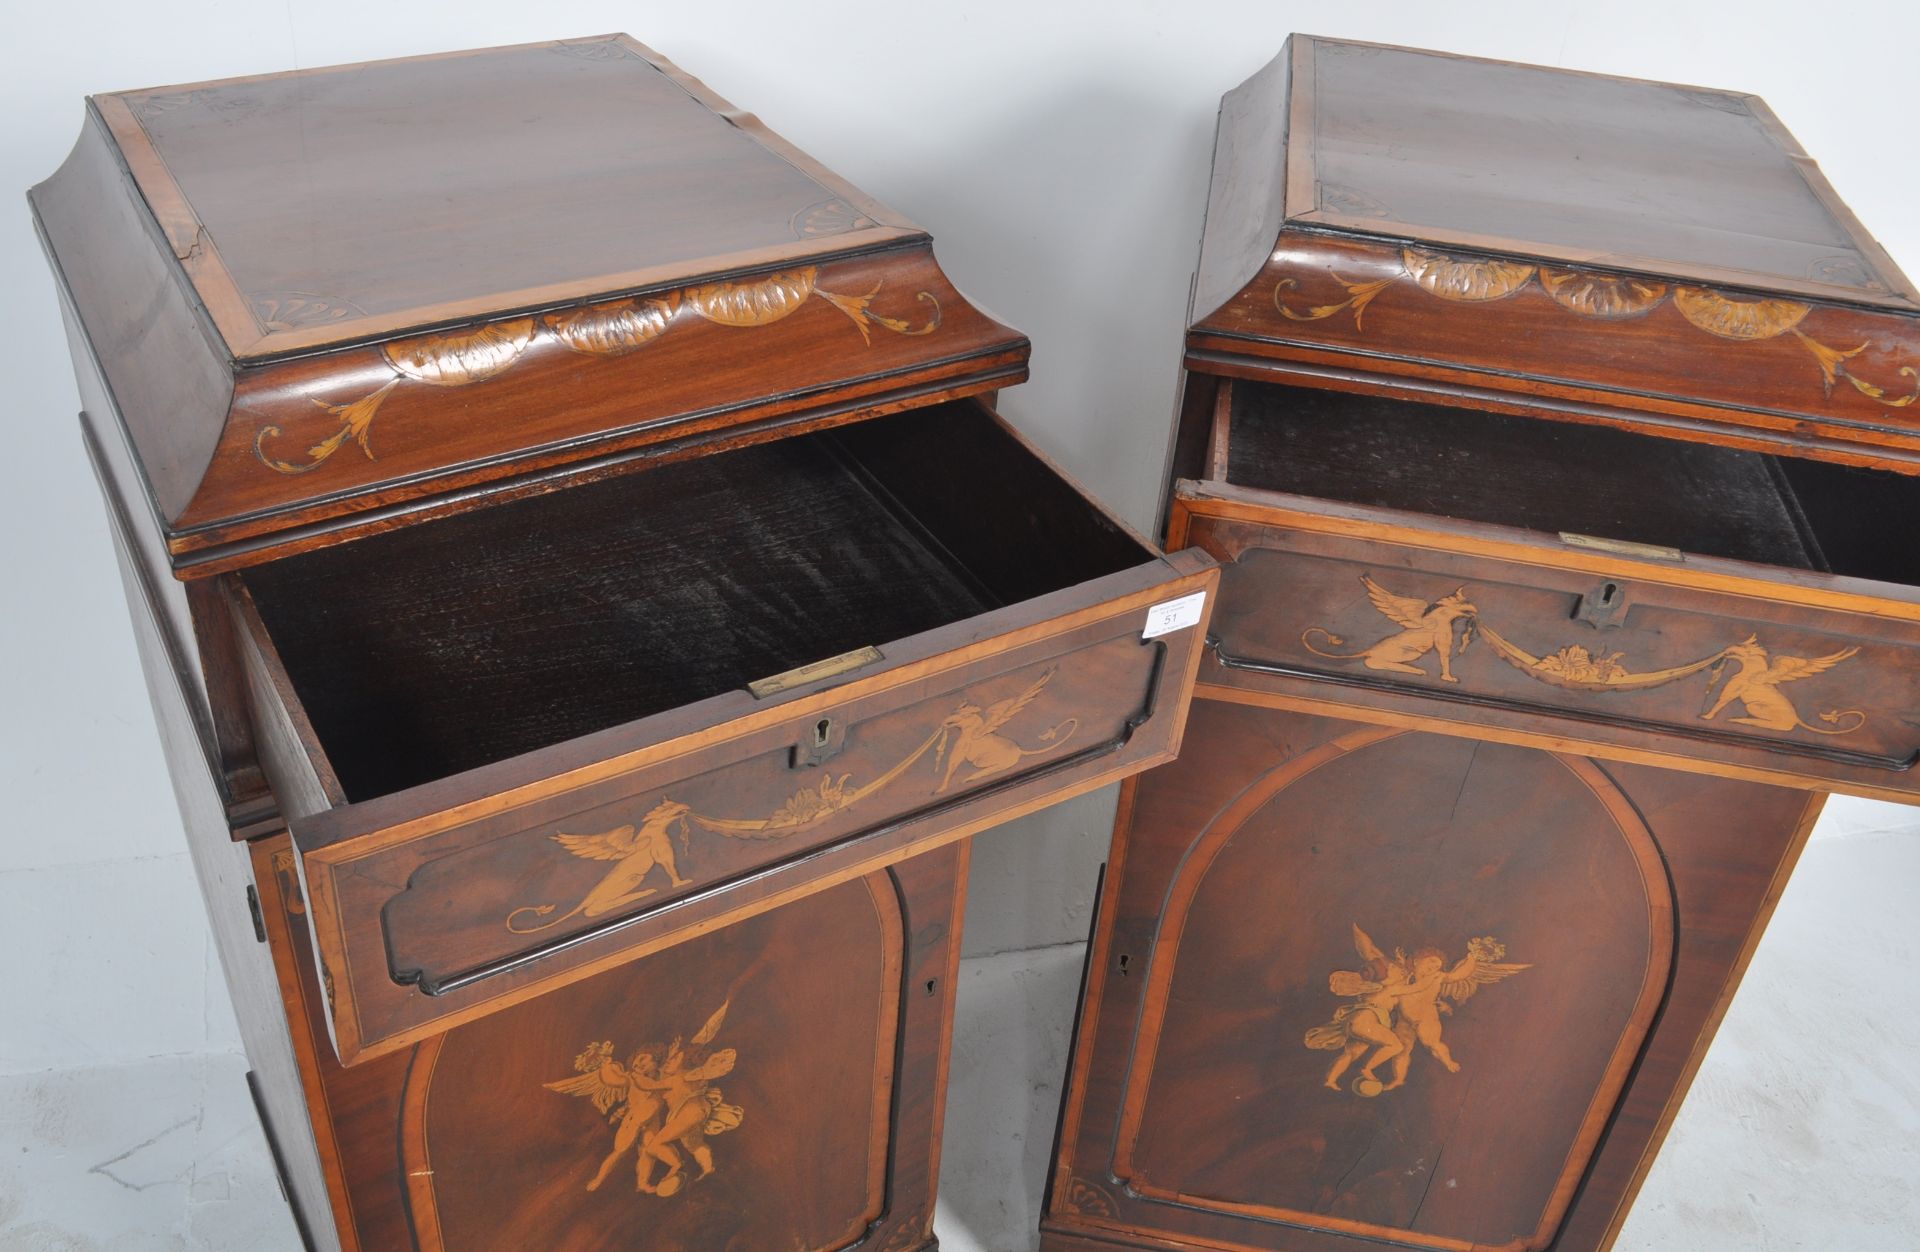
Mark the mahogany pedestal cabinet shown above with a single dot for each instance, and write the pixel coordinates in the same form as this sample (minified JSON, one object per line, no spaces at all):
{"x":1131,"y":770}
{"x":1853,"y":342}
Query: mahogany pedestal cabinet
{"x":1555,"y":433}
{"x":588,"y":600}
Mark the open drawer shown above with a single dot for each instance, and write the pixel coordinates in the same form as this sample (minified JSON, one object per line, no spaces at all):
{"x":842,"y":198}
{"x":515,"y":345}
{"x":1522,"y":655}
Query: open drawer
{"x":526,"y":743}
{"x":1553,"y":583}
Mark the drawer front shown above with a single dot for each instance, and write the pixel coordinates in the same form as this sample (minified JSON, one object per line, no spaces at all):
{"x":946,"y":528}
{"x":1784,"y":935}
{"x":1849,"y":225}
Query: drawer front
{"x":1717,"y":665}
{"x":427,"y":913}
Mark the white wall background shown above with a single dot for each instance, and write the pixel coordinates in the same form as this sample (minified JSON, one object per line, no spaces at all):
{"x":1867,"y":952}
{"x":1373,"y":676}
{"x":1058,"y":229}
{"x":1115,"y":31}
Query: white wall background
{"x":1059,"y":154}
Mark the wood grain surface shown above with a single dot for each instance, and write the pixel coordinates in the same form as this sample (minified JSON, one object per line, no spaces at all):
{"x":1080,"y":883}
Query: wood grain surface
{"x":1779,"y":676}
{"x":1584,"y":168}
{"x":1576,"y":247}
{"x":465,"y":1141}
{"x":1614,"y":903}
{"x":1555,"y":433}
{"x":367,"y":295}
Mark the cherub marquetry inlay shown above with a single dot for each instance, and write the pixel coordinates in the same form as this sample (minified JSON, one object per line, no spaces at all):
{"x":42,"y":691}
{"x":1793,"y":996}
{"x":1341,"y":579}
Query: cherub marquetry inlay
{"x":1397,"y":1003}
{"x":462,"y":358}
{"x":647,"y":857}
{"x":1594,"y":294}
{"x":1445,"y":626}
{"x":661,"y":1101}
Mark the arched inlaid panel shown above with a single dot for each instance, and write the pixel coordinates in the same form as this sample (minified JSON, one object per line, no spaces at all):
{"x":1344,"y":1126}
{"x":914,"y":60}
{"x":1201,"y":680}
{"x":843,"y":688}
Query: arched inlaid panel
{"x":1399,"y":986}
{"x":732,"y":1092}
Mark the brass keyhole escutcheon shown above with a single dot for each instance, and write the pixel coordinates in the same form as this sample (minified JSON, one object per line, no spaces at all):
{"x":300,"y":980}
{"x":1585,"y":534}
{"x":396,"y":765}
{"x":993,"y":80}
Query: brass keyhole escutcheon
{"x":818,"y":743}
{"x":1604,"y":606}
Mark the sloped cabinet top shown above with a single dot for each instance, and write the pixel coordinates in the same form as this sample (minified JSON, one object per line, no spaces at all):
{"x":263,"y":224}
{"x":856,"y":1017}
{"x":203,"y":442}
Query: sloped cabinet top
{"x":325,"y":292}
{"x":1576,"y":237}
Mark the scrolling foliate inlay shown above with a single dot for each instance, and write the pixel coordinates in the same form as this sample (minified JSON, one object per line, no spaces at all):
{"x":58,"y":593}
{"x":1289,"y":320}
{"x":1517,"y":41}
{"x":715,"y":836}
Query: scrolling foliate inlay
{"x":1603,"y":296}
{"x":1089,"y":1199}
{"x":1398,"y":1002}
{"x":645,"y":853}
{"x":597,"y":50}
{"x":292,"y":310}
{"x":828,"y":217}
{"x":909,"y":1234}
{"x":458,"y":359}
{"x":463,"y":358}
{"x":660,"y":1101}
{"x":287,"y":871}
{"x":1743,"y":673}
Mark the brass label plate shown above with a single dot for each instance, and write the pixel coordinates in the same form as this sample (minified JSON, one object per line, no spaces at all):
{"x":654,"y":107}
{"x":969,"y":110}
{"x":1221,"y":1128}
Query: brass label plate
{"x":832,"y":667}
{"x":1621,"y":547}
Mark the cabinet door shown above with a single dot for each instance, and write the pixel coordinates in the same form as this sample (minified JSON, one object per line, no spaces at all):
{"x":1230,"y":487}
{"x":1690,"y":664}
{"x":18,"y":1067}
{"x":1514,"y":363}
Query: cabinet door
{"x":1357,"y":983}
{"x":771,"y":1085}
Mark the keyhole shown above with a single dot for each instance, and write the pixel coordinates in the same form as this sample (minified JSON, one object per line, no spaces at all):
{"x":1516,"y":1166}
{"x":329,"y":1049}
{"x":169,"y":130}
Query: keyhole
{"x":931,"y":984}
{"x":821,"y":730}
{"x":1607,"y":593}
{"x":1124,"y":960}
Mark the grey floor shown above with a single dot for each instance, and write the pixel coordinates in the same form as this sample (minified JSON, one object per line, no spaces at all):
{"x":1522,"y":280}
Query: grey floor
{"x":1802,"y":1131}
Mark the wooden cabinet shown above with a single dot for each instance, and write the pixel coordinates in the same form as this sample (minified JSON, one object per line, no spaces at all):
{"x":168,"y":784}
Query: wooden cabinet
{"x":589,"y":600}
{"x":1551,"y":430}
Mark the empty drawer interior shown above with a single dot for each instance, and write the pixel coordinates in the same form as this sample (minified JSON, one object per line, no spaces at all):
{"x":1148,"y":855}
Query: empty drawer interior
{"x":445,"y":646}
{"x":1554,"y":476}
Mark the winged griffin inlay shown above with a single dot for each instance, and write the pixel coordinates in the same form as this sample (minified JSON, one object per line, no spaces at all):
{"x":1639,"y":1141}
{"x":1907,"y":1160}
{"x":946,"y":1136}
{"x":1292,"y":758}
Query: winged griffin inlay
{"x":970,"y":738}
{"x":1446,"y":626}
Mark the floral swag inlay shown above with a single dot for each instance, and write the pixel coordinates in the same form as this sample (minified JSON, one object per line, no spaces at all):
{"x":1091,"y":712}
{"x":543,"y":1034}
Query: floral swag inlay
{"x":1606,"y":297}
{"x":462,"y":358}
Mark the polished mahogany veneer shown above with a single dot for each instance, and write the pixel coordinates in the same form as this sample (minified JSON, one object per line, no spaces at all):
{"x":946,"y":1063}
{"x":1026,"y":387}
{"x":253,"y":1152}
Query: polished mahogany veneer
{"x":589,"y":600}
{"x":1555,"y":433}
{"x":323,"y":220}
